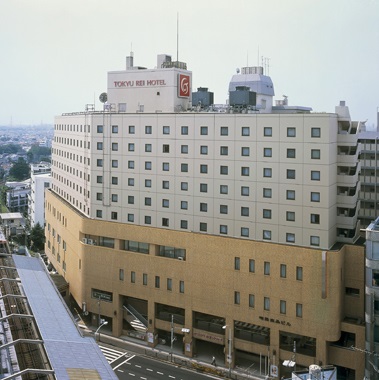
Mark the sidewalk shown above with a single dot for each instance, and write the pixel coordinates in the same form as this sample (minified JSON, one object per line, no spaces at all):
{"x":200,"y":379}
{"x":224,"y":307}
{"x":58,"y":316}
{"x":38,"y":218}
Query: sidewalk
{"x":201,"y":363}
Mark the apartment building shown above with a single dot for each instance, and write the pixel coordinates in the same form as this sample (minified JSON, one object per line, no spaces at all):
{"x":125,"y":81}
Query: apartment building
{"x":235,"y":221}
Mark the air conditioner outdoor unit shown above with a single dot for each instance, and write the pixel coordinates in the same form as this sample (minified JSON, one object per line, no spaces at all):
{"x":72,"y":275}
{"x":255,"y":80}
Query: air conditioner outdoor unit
{"x":180,"y":258}
{"x":84,"y":240}
{"x":90,"y":241}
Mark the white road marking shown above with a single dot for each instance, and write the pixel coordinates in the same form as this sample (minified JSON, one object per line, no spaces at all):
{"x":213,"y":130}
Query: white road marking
{"x":125,"y":361}
{"x":149,"y":369}
{"x":172,"y":377}
{"x":138,"y":366}
{"x":160,"y":373}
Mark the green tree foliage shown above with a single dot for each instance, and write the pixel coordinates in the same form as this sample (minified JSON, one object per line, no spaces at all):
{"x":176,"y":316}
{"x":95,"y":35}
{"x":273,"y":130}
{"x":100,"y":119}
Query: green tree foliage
{"x":37,"y":238}
{"x":20,"y":170}
{"x":36,"y":153}
{"x":10,"y":149}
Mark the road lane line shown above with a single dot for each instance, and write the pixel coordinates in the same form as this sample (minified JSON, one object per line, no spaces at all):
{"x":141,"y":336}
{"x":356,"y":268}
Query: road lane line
{"x":159,"y":373}
{"x":138,"y":366}
{"x":149,"y":369}
{"x":125,"y":361}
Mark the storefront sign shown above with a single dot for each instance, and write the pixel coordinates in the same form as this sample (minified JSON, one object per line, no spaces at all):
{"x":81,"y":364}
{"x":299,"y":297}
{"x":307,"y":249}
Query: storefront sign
{"x":272,"y":320}
{"x":183,"y":86}
{"x":208,"y":337}
{"x":140,"y":83}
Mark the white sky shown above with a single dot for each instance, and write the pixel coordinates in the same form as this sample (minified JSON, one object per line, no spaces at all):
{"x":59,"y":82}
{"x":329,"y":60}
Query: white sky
{"x":55,"y":54}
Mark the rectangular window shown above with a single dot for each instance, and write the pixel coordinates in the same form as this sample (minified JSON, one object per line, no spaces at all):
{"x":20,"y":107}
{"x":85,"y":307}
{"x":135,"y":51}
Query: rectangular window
{"x":166,"y":130}
{"x":266,"y":213}
{"x":266,"y":303}
{"x":245,"y":191}
{"x":266,"y":235}
{"x":283,"y":270}
{"x":290,"y":216}
{"x":203,"y":188}
{"x":115,"y":146}
{"x":130,"y":164}
{"x":132,"y":129}
{"x":266,"y":268}
{"x":290,"y":238}
{"x":148,"y":148}
{"x":224,"y":150}
{"x":184,"y":130}
{"x":291,"y":132}
{"x":165,"y":203}
{"x":184,"y":168}
{"x":114,"y":163}
{"x":224,"y":131}
{"x":244,"y":211}
{"x":291,"y":174}
{"x":184,"y":149}
{"x":165,"y":166}
{"x":184,"y":205}
{"x":131,"y":147}
{"x":147,"y":201}
{"x":203,"y":227}
{"x":165,"y":185}
{"x":99,"y":196}
{"x":315,"y":218}
{"x":203,"y":169}
{"x":299,"y":273}
{"x":237,"y":297}
{"x":99,"y":179}
{"x":203,"y":207}
{"x":299,"y":310}
{"x":315,"y":154}
{"x":252,"y":266}
{"x":114,"y":180}
{"x":251,"y":301}
{"x":223,"y":209}
{"x":114,"y":128}
{"x":223,"y":229}
{"x":283,"y":307}
{"x":223,"y":170}
{"x":130,"y":217}
{"x":291,"y":195}
{"x":237,"y":263}
{"x":316,"y":132}
{"x":99,"y":129}
{"x":184,"y":224}
{"x":291,"y":153}
{"x":144,"y":279}
{"x":315,"y":175}
{"x":245,"y":171}
{"x":131,"y":199}
{"x":203,"y":131}
{"x":148,"y":130}
{"x":169,"y":284}
{"x":147,"y":182}
{"x":203,"y":149}
{"x":114,"y":215}
{"x":132,"y":277}
{"x":147,"y":219}
{"x":157,"y":282}
{"x":184,"y":186}
{"x":245,"y":232}
{"x":315,"y":197}
{"x":267,"y":193}
{"x":166,"y":148}
{"x":315,"y":241}
{"x":181,"y":286}
{"x":267,"y":131}
{"x":267,"y":152}
{"x":245,"y":151}
{"x":245,"y":131}
{"x":267,"y":172}
{"x":165,"y":222}
{"x":99,"y":162}
{"x":99,"y":146}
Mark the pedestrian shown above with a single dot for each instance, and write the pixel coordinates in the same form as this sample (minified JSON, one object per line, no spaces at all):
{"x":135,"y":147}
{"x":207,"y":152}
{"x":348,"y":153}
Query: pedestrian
{"x":214,"y":361}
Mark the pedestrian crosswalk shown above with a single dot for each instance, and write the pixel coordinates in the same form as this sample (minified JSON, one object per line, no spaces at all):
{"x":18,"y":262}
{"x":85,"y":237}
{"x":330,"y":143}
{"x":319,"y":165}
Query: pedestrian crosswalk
{"x":111,"y":354}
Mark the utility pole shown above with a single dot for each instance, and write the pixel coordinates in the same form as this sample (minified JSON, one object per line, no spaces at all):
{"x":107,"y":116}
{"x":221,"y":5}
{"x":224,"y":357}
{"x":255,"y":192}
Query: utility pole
{"x":172,"y":334}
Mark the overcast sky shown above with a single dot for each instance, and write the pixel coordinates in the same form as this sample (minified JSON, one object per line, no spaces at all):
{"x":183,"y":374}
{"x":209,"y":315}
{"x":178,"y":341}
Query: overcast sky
{"x":55,"y":54}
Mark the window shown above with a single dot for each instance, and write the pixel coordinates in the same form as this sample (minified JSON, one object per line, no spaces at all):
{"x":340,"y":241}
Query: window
{"x":267,"y":131}
{"x":203,"y":169}
{"x":130,"y":164}
{"x":148,"y":148}
{"x":290,"y":238}
{"x":165,"y":184}
{"x":114,"y":146}
{"x":169,"y":284}
{"x":184,"y":130}
{"x":224,"y":131}
{"x":203,"y":227}
{"x":132,"y":129}
{"x":252,"y":266}
{"x":316,"y":132}
{"x":267,"y":193}
{"x":184,"y":168}
{"x":291,"y":132}
{"x":223,"y":229}
{"x":245,"y":171}
{"x":315,"y":175}
{"x":99,"y":213}
{"x":166,"y":130}
{"x":266,"y":235}
{"x":114,"y":215}
{"x":266,"y":268}
{"x":315,"y":197}
{"x":203,"y":207}
{"x":203,"y":131}
{"x":237,"y":297}
{"x":114,"y":128}
{"x":181,"y":286}
{"x":315,"y":218}
{"x":99,"y":146}
{"x":290,"y":195}
{"x":244,"y":232}
{"x":315,"y":154}
{"x":299,"y":310}
{"x":203,"y":188}
{"x":290,"y":216}
{"x":148,"y":130}
{"x":223,"y":150}
{"x":266,"y":214}
{"x":184,"y":149}
{"x":165,"y":203}
{"x":131,"y":199}
{"x":99,"y":196}
{"x":132,"y":277}
{"x":245,"y":151}
{"x":203,"y":149}
{"x":130,"y":217}
{"x":244,"y":211}
{"x":266,"y":303}
{"x":147,"y":219}
{"x":157,"y":282}
{"x":99,"y":129}
{"x":237,"y":263}
{"x":131,"y":147}
{"x":223,"y":189}
{"x":267,"y":172}
{"x":144,"y":279}
{"x":99,"y":162}
{"x":315,"y":241}
{"x":114,"y":163}
{"x":267,"y":152}
{"x":223,"y":209}
{"x":291,"y":153}
{"x":147,"y":182}
{"x":245,"y":131}
{"x":223,"y":170}
{"x":166,"y":148}
{"x":283,"y":306}
{"x":114,"y":180}
{"x":283,"y":270}
{"x":99,"y":179}
{"x":291,"y":174}
{"x":184,"y":186}
{"x":165,"y":222}
{"x":251,"y":300}
{"x":184,"y":224}
{"x":184,"y":205}
{"x":299,"y":273}
{"x":245,"y":190}
{"x":165,"y":166}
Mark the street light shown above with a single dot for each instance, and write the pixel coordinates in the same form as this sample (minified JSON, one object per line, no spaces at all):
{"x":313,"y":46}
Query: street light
{"x":103,"y":324}
{"x":229,"y":357}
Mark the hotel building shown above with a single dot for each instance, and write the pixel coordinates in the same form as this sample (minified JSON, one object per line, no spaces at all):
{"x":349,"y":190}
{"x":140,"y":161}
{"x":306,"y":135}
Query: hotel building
{"x":234,"y":225}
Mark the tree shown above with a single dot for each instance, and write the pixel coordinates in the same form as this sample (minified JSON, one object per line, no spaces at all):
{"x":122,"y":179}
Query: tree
{"x":20,"y":170}
{"x":37,"y":238}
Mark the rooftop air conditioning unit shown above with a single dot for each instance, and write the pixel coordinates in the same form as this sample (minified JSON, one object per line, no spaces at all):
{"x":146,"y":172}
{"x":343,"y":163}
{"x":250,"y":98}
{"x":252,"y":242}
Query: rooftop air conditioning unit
{"x":85,"y":240}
